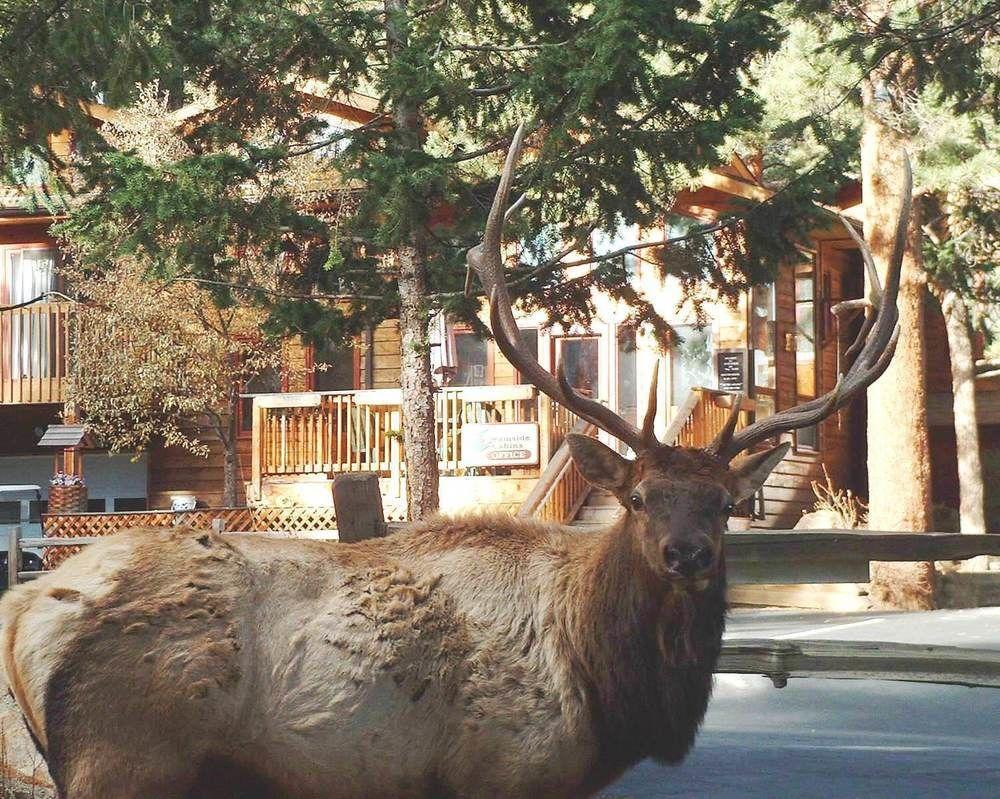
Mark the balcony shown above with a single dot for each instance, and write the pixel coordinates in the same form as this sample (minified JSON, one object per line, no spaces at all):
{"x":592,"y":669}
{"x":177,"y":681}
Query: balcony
{"x":34,"y":345}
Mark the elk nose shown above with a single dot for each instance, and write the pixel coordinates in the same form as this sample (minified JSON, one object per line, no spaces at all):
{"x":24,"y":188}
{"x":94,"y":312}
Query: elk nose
{"x":688,"y":561}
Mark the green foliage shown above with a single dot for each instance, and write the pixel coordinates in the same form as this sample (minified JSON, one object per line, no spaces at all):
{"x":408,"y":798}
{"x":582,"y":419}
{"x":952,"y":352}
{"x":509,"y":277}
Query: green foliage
{"x":949,"y":116}
{"x":627,"y":100}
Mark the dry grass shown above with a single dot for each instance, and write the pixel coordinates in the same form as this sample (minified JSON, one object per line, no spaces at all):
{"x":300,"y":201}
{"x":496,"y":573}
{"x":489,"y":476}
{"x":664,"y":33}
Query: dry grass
{"x":851,"y":511}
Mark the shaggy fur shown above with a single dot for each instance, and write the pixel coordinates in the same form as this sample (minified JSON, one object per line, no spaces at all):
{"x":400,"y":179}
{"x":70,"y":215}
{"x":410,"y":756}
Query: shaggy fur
{"x":478,"y":656}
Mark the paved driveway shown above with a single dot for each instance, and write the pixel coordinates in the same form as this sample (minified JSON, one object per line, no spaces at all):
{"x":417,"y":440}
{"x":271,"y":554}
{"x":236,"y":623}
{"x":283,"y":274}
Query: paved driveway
{"x":842,"y":738}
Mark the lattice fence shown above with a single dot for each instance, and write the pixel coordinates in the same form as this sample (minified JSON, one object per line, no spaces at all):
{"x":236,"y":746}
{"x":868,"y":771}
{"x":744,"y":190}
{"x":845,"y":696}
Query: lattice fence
{"x":289,"y":520}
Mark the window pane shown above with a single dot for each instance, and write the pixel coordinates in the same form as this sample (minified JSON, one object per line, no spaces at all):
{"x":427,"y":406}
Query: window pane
{"x":690,"y":362}
{"x":334,"y":368}
{"x":805,"y":348}
{"x":98,"y":505}
{"x":36,"y":508}
{"x":130,"y":503}
{"x":28,"y":273}
{"x":579,"y":357}
{"x":470,"y":352}
{"x":10,"y":512}
{"x":762,"y":335}
{"x":627,"y":399}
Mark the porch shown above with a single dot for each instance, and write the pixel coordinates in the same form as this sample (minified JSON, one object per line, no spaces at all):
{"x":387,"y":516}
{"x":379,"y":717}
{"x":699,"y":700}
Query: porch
{"x":499,"y":447}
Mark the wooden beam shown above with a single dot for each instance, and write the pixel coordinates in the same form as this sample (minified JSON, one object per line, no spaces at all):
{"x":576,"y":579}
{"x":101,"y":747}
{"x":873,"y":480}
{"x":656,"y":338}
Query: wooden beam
{"x":734,"y":186}
{"x":860,"y":660}
{"x":838,"y":545}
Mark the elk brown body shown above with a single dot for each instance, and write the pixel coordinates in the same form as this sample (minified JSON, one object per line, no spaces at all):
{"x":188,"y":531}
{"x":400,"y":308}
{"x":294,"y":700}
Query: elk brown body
{"x":478,"y":656}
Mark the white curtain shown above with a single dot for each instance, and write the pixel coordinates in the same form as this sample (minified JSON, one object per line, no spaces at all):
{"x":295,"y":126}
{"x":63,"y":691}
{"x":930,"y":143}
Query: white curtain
{"x":27,"y":273}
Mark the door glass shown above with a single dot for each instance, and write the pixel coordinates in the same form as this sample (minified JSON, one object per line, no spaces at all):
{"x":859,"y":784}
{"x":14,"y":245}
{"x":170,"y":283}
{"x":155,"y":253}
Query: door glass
{"x":471,"y":354}
{"x":805,"y":347}
{"x":627,"y":399}
{"x":762,"y":347}
{"x":690,"y":362}
{"x":579,"y":357}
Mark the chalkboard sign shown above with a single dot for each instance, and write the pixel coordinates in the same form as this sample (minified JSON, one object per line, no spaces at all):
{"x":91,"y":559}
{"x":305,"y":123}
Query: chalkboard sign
{"x":731,"y":369}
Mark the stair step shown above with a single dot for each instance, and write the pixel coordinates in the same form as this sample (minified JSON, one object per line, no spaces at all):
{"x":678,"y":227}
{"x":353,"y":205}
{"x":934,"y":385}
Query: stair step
{"x":601,"y":499}
{"x":598,"y":513}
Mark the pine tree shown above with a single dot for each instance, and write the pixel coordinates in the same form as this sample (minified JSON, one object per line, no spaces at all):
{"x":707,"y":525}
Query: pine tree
{"x":907,"y":71}
{"x":626,"y":101}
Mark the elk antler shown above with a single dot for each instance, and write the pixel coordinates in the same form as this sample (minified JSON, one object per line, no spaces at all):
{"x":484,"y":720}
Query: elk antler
{"x":486,"y":260}
{"x":873,"y":346}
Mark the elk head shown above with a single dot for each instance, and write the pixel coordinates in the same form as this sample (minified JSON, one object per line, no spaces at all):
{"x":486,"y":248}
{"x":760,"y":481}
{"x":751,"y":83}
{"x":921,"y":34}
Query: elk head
{"x":678,"y":499}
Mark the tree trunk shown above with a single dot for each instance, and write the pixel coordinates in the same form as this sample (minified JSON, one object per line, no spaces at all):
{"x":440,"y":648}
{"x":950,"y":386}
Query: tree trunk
{"x":963,"y":387}
{"x":230,"y":465}
{"x":899,"y":474}
{"x":417,"y":386}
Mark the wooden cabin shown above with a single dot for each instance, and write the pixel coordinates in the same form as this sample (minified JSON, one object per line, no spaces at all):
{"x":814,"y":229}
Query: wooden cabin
{"x":499,"y":440}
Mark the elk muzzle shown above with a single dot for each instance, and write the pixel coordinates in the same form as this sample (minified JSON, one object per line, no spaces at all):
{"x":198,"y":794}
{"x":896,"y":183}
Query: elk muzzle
{"x":688,"y":560}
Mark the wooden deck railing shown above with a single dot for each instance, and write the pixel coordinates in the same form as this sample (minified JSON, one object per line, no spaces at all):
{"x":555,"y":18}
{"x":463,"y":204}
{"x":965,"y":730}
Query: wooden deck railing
{"x":34,"y":354}
{"x":702,"y":415}
{"x":349,"y":431}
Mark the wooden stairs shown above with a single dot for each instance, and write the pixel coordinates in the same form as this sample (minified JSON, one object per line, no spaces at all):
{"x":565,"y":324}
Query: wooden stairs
{"x":600,"y":509}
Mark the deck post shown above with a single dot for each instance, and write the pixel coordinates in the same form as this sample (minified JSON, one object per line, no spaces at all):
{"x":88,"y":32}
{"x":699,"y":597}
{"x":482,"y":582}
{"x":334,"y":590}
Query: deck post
{"x":13,"y":555}
{"x":256,"y":451}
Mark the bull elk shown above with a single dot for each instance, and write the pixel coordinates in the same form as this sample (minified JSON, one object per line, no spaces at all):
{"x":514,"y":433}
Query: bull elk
{"x":476,"y":656}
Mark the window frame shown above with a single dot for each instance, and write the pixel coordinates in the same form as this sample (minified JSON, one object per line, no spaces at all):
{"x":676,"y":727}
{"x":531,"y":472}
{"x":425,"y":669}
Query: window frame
{"x":555,"y":342}
{"x":797,"y":445}
{"x":310,"y":358}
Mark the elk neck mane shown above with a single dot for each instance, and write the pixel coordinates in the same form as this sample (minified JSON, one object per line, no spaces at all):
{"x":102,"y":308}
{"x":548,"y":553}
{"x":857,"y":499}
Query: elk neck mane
{"x":646,"y":647}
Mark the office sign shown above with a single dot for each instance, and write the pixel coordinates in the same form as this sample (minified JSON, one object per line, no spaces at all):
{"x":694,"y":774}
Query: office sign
{"x":504,"y":444}
{"x":731,"y":370}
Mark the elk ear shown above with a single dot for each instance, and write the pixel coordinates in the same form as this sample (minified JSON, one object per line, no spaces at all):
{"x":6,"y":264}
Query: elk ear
{"x":751,"y":471}
{"x":599,"y":464}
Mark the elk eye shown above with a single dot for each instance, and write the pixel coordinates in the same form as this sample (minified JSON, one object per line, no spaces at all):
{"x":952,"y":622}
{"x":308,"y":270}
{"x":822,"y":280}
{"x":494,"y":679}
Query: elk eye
{"x":635,"y":501}
{"x":728,"y":508}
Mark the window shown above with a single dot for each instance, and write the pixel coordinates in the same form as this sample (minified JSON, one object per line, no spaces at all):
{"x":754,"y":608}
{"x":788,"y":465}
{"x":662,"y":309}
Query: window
{"x":805,"y":348}
{"x":98,"y":505}
{"x":690,"y":362}
{"x":472,"y":357}
{"x":337,"y":368}
{"x":267,"y":382}
{"x":762,"y":347}
{"x":130,"y":503}
{"x":27,"y":273}
{"x":10,"y":512}
{"x":627,"y":388}
{"x":36,"y":508}
{"x":579,"y":357}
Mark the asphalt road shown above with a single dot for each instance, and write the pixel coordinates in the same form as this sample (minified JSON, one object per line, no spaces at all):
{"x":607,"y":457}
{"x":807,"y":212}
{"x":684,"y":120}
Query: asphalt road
{"x":841,"y":738}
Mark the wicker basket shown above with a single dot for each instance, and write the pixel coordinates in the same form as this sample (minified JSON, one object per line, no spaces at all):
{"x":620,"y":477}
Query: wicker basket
{"x":67,"y":499}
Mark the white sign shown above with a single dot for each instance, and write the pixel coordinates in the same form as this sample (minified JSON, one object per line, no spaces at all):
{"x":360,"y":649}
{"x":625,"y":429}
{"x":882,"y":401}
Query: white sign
{"x":514,"y":444}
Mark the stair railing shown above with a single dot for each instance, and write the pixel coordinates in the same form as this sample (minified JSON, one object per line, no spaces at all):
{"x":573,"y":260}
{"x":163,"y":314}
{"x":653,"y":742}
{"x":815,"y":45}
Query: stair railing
{"x":561,"y":489}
